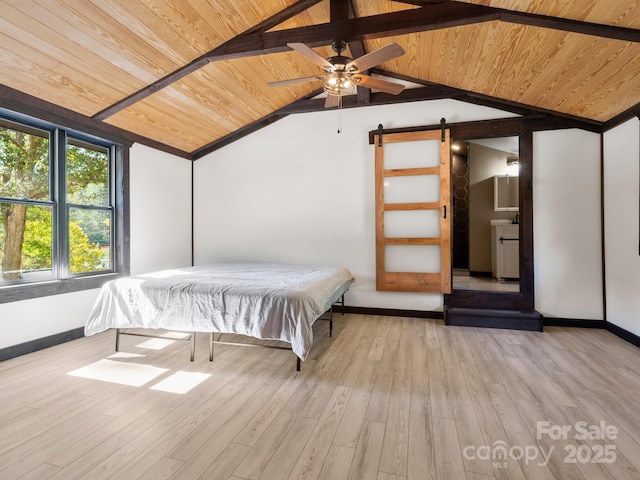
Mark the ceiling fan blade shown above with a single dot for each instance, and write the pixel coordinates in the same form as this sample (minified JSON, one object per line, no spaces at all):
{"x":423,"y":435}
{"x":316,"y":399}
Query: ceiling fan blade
{"x":281,"y":83}
{"x":332,"y":101}
{"x":378,"y":84}
{"x":376,"y":57}
{"x":316,"y":58}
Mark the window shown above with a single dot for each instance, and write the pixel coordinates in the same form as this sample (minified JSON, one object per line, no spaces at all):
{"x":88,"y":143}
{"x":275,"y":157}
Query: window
{"x":61,"y":207}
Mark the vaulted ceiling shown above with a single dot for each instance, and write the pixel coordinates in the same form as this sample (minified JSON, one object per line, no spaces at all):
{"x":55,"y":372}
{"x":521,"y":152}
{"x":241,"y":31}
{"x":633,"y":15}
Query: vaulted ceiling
{"x":192,"y":75}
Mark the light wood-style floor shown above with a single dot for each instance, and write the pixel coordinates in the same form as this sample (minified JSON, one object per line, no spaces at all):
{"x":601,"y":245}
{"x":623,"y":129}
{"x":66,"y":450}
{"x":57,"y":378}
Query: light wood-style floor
{"x":387,"y":398}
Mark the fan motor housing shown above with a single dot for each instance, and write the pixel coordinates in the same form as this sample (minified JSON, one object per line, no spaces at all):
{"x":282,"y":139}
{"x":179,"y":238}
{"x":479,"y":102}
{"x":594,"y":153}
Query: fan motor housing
{"x":339,"y":61}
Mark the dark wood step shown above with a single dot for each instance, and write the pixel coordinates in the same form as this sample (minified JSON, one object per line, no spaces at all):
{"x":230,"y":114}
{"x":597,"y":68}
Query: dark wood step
{"x":491,"y":318}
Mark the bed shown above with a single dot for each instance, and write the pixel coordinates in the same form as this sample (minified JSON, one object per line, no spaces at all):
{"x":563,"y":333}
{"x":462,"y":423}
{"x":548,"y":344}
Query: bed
{"x":264,"y":301}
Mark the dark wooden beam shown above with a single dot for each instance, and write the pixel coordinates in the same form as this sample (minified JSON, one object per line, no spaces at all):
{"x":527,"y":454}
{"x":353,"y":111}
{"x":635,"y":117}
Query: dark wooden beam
{"x":357,"y":50}
{"x":200,"y":62}
{"x":291,"y":11}
{"x":555,"y":23}
{"x":149,"y":90}
{"x":568,"y":25}
{"x":339,"y":10}
{"x":501,"y":127}
{"x":430,"y":17}
{"x":434,"y":17}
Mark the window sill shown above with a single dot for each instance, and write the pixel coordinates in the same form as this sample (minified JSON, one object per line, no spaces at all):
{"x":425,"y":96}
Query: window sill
{"x":15,"y":293}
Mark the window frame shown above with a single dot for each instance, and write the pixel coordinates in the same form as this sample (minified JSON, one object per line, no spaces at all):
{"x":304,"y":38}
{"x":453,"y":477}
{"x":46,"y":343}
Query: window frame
{"x":63,"y":281}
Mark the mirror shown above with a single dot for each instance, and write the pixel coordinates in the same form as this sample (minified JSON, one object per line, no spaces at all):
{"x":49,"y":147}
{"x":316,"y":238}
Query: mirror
{"x":485,"y":191}
{"x":505,"y":193}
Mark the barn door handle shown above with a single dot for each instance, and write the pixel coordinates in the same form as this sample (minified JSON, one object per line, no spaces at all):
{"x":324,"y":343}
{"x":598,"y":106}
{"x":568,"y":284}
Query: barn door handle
{"x":445,"y":211}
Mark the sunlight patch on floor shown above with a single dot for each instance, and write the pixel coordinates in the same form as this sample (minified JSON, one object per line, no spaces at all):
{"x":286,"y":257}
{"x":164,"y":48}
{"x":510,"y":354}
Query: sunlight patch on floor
{"x":132,"y":374}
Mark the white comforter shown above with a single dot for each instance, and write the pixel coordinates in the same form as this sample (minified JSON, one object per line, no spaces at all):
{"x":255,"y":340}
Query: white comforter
{"x":267,"y":301}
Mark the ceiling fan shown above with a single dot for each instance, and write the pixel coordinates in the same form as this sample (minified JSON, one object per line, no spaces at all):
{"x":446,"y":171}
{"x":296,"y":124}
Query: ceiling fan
{"x":342,"y":73}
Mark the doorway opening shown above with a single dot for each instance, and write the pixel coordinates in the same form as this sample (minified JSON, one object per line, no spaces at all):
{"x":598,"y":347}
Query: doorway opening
{"x":485,"y":193}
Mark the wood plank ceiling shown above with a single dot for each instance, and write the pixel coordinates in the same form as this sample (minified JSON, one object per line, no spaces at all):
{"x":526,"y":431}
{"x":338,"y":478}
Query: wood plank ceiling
{"x":191,"y":74}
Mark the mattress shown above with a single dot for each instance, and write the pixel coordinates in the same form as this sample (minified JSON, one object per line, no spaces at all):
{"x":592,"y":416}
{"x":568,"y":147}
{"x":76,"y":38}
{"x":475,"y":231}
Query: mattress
{"x":265,"y":301}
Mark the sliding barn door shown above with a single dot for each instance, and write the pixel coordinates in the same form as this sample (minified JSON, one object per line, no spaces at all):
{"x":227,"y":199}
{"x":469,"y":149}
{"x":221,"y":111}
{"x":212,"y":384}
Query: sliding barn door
{"x":413,"y":214}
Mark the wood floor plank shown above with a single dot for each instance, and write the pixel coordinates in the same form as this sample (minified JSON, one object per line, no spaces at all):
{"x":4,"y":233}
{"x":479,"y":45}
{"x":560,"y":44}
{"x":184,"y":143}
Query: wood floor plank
{"x":222,"y":467}
{"x":449,"y":459}
{"x":49,"y":444}
{"x":379,"y":401}
{"x":387,"y":398}
{"x":439,"y":388}
{"x":620,"y":469}
{"x":390,"y":476}
{"x":355,"y":413}
{"x":494,"y":353}
{"x":519,"y":435}
{"x":366,"y":458}
{"x":493,"y":430}
{"x":467,"y":425}
{"x":164,"y":469}
{"x":285,"y":457}
{"x":361,"y":349}
{"x":421,"y":459}
{"x":477,"y":476}
{"x":310,"y":461}
{"x":330,"y":369}
{"x":216,"y":419}
{"x":270,"y":409}
{"x":41,"y":472}
{"x":554,"y":448}
{"x":336,"y":465}
{"x":394,"y":455}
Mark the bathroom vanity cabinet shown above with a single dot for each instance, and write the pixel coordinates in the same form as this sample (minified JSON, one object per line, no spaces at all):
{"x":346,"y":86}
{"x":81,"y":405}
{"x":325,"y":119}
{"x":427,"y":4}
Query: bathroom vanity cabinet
{"x":505,"y":251}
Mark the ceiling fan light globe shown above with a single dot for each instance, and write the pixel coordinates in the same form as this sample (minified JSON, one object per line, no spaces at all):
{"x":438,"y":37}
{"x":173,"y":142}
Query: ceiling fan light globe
{"x":339,"y":83}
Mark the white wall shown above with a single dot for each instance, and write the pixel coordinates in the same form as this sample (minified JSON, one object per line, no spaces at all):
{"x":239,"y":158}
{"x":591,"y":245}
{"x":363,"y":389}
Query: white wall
{"x":621,"y":158}
{"x":567,"y":224}
{"x":299,"y":192}
{"x":160,"y":238}
{"x":160,"y":210}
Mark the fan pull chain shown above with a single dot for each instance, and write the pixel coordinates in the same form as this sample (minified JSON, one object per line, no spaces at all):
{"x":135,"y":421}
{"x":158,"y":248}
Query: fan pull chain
{"x":340,"y":114}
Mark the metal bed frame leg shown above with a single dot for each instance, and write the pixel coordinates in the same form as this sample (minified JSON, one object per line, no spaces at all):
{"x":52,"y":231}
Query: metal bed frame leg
{"x":331,"y":321}
{"x":297,"y":363}
{"x":117,"y":339}
{"x":193,"y":345}
{"x":340,"y":302}
{"x":211,"y":347}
